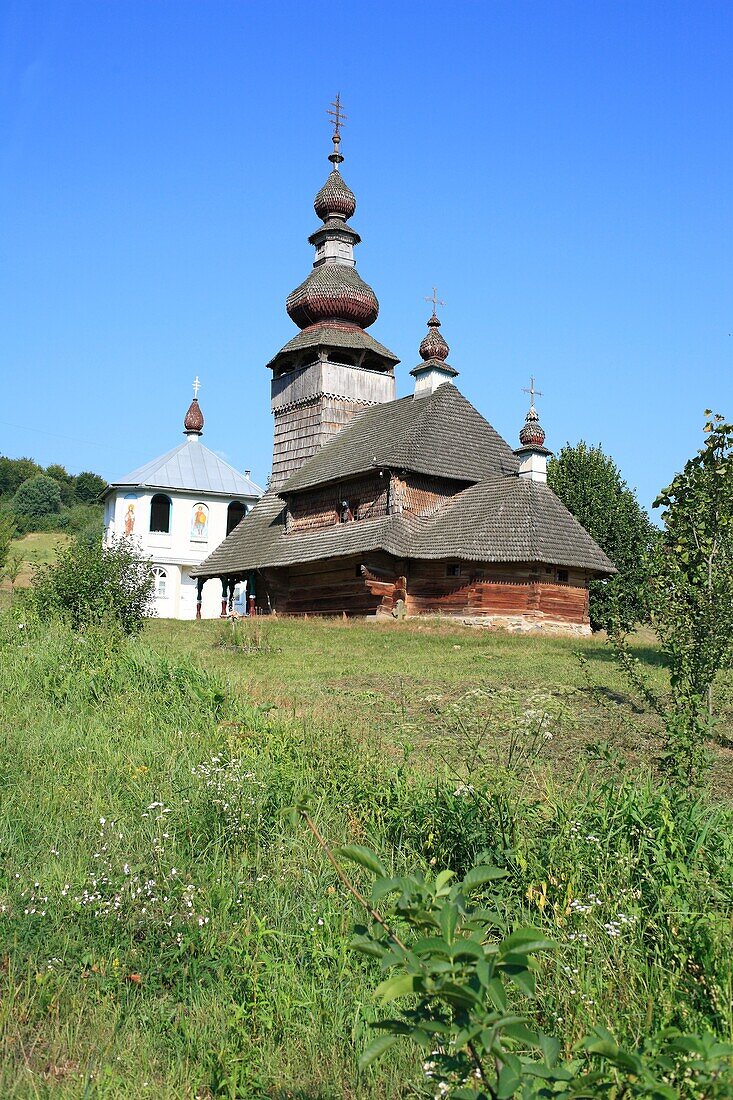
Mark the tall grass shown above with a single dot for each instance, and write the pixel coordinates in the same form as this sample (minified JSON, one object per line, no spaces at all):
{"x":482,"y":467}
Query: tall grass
{"x":166,"y":932}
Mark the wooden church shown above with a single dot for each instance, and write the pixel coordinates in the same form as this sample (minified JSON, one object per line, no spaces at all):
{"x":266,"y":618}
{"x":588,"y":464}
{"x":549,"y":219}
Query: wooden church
{"x":385,"y":506}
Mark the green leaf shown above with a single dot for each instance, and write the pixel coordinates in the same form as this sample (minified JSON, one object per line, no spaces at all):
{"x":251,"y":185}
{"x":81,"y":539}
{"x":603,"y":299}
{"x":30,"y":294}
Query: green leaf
{"x":526,"y":940}
{"x":508,"y":1083}
{"x":524,"y":980}
{"x":443,"y":879}
{"x":399,"y":986}
{"x":384,"y":886}
{"x":376,"y":1049}
{"x":448,"y":921}
{"x":477,"y":876}
{"x":363,"y":856}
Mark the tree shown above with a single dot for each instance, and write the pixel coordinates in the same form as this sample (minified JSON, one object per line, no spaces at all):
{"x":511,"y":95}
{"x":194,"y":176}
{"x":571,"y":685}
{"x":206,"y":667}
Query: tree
{"x":590,"y":486}
{"x":38,"y":496}
{"x":64,"y":480}
{"x":14,"y":471}
{"x":691,"y":591}
{"x":90,"y":583}
{"x":88,"y":487}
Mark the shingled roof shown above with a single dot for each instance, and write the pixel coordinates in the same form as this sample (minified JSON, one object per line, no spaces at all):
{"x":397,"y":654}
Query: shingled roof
{"x":509,"y":519}
{"x":499,"y":518}
{"x":440,"y":434}
{"x":334,"y":335}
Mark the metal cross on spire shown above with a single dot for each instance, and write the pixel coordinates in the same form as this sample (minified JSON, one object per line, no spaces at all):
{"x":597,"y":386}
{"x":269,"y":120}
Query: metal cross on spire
{"x":531,"y":390}
{"x":196,"y":387}
{"x":435,"y":300}
{"x":337,"y":115}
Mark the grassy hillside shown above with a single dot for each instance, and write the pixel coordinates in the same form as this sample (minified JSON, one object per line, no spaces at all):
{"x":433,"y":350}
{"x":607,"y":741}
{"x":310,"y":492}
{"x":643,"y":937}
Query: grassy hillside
{"x":36,"y":548}
{"x":168,"y":932}
{"x":411,"y":682}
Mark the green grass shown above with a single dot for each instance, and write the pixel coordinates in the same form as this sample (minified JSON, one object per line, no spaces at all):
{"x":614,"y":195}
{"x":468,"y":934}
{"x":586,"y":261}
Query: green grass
{"x":36,"y":548}
{"x":166,"y":931}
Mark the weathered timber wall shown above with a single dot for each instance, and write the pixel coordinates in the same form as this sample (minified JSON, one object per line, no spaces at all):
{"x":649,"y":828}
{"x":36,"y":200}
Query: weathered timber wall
{"x":313,"y":403}
{"x":372,"y":584}
{"x":496,"y":590}
{"x":328,"y":587}
{"x":421,"y":494}
{"x":367,"y":497}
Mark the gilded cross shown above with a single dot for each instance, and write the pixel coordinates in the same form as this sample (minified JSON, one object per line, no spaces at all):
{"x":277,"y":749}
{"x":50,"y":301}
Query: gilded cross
{"x":435,"y":300}
{"x":337,"y":115}
{"x":196,"y":386}
{"x":532,"y":391}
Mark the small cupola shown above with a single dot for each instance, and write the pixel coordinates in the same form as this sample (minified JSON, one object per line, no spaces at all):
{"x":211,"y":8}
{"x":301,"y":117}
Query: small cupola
{"x":532,"y":453}
{"x":434,"y":370}
{"x":193,"y":421}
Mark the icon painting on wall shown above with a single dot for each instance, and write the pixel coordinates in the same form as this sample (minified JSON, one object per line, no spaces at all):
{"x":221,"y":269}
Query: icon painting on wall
{"x":129,"y":520}
{"x":200,"y":522}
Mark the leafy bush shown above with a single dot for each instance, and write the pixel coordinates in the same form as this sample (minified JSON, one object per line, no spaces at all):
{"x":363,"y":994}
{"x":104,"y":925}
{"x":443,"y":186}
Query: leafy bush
{"x":93,"y":583}
{"x":448,"y":950}
{"x":38,"y":496}
{"x":590,"y":486}
{"x":88,"y":487}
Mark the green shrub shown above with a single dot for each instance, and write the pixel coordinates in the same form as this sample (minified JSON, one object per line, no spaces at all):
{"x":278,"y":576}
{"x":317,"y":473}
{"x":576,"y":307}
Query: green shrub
{"x":38,"y":496}
{"x":90,"y":583}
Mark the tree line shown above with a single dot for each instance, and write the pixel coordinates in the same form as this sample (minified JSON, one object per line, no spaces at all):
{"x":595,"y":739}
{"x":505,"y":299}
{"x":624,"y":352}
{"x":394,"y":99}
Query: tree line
{"x":34,"y":498}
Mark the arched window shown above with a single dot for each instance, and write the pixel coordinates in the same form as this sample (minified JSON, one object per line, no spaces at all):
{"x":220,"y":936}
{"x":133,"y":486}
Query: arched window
{"x":235,"y":514}
{"x":160,"y":514}
{"x":160,"y":579}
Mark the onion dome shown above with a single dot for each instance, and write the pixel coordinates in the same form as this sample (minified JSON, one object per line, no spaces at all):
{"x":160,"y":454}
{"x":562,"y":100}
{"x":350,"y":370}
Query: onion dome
{"x":333,"y":292}
{"x":193,"y":422}
{"x":532,"y":434}
{"x":433,"y":345}
{"x":335,"y":199}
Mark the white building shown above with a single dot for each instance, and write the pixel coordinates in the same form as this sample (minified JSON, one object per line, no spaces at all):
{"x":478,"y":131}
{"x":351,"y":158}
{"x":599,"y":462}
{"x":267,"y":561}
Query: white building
{"x":179,"y":507}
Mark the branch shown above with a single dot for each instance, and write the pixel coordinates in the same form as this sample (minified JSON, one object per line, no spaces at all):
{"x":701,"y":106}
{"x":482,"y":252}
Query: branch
{"x":349,"y":886}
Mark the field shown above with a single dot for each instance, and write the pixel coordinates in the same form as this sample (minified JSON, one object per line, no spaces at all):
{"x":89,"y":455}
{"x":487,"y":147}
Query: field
{"x":36,"y":548}
{"x":166,"y":930}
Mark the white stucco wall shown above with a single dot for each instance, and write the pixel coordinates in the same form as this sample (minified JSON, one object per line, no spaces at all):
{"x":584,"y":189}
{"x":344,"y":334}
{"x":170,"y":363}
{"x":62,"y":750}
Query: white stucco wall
{"x":180,"y":550}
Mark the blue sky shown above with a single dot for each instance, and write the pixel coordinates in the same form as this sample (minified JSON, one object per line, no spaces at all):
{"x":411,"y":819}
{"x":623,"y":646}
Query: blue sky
{"x":561,"y":171}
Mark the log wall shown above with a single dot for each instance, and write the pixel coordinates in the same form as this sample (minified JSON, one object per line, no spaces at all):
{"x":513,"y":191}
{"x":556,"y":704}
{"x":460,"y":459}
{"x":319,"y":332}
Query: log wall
{"x":375,"y":585}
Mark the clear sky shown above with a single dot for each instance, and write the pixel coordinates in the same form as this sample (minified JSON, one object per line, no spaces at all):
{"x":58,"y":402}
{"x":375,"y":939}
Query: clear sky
{"x":560,"y":170}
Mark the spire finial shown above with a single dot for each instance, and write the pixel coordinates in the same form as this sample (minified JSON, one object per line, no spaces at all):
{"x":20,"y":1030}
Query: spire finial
{"x":532,"y":391}
{"x":337,"y":116}
{"x":193,"y":421}
{"x":435,"y":300}
{"x":433,"y":345}
{"x":532,"y":434}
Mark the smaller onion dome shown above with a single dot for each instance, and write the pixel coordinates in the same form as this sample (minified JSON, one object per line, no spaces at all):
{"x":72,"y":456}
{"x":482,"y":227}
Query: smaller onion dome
{"x":194,"y":418}
{"x":335,"y":199}
{"x":433,"y":345}
{"x":532,"y":434}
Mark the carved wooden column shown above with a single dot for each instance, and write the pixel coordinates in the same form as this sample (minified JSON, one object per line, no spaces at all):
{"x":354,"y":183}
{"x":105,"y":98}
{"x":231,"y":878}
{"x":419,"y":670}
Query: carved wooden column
{"x":224,"y":582}
{"x":199,"y":595}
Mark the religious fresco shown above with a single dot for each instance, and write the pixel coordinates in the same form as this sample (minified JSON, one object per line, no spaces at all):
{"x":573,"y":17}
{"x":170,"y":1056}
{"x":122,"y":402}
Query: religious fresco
{"x":200,"y":522}
{"x":129,"y":517}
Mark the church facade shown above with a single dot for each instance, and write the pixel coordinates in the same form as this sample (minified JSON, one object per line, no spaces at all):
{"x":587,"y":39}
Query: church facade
{"x":386,"y":506}
{"x":177,"y":508}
